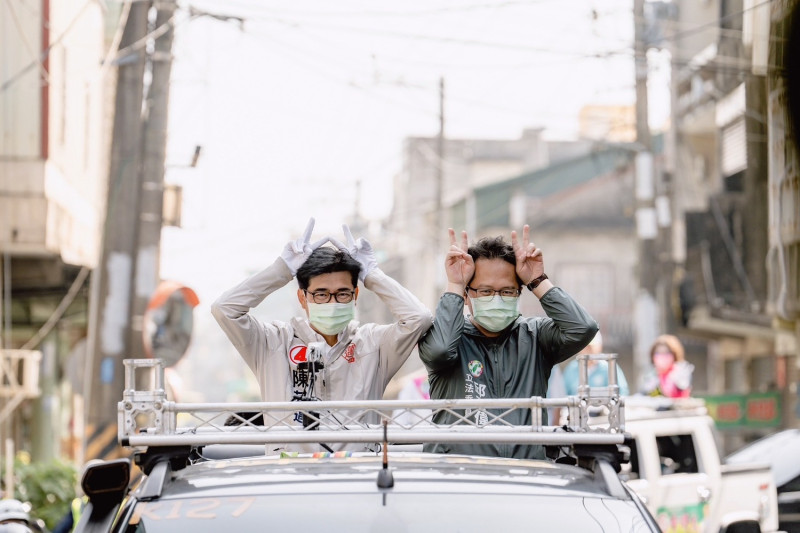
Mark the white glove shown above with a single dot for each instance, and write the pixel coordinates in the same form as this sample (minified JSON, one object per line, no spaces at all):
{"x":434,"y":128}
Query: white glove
{"x":360,"y":250}
{"x":681,"y":374}
{"x":296,"y":252}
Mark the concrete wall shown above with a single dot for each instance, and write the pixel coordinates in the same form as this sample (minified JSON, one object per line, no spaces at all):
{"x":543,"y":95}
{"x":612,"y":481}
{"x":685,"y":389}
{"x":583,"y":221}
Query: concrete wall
{"x":52,"y":193}
{"x":20,"y":79}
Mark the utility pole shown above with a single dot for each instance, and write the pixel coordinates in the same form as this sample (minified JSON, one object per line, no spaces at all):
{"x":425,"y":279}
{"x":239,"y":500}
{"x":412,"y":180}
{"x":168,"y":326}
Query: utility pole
{"x":440,"y":160}
{"x":438,"y":217}
{"x":111,"y":282}
{"x":128,"y":272}
{"x":646,"y":309}
{"x":146,"y":268}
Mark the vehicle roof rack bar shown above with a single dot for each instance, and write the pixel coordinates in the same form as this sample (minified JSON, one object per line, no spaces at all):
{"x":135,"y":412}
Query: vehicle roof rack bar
{"x":370,"y":435}
{"x":147,"y":418}
{"x":598,"y":400}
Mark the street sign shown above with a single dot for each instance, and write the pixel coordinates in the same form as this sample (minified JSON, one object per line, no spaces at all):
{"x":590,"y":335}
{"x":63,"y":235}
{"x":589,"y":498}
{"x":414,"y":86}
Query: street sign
{"x":745,"y":411}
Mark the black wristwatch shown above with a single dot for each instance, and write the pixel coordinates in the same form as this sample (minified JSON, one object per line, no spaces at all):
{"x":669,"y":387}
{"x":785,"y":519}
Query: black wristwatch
{"x":535,"y":283}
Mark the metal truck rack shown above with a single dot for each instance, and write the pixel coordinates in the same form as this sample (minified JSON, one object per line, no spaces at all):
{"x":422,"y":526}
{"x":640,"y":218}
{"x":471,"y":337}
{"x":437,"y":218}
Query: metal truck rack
{"x":147,"y":418}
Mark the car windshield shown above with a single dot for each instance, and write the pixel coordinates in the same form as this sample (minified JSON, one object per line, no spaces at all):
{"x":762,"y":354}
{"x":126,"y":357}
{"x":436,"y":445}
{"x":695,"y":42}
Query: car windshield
{"x":387,"y":512}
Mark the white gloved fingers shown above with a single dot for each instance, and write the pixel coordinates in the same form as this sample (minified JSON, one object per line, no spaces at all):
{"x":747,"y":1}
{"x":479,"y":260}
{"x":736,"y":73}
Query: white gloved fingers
{"x":319,"y":243}
{"x":351,"y":242}
{"x":307,"y":233}
{"x":338,"y":244}
{"x":364,"y":245}
{"x":297,"y":251}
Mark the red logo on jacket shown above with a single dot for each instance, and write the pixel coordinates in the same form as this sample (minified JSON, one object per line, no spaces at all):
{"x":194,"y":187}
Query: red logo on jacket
{"x":298,"y":354}
{"x":350,"y":353}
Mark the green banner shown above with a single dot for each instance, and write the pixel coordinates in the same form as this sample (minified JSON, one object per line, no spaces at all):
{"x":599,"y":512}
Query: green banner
{"x":742,"y":411}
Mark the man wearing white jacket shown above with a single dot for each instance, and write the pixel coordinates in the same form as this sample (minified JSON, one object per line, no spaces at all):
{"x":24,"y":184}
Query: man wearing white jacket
{"x":326,"y":354}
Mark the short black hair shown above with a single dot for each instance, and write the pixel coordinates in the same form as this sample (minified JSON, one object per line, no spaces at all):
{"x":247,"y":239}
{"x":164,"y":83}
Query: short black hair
{"x":494,"y":248}
{"x":326,"y":260}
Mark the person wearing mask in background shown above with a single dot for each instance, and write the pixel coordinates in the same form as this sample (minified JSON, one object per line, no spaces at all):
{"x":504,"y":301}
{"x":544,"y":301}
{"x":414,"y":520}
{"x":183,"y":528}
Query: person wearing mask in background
{"x":357,"y":360}
{"x":671,"y":375}
{"x":495,"y":352}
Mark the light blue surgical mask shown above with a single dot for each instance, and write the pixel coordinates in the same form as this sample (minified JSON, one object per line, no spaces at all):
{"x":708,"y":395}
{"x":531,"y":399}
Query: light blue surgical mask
{"x":331,"y":318}
{"x":494,"y":313}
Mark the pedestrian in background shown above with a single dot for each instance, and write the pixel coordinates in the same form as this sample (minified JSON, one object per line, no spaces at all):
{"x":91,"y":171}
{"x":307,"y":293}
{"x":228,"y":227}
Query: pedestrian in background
{"x":671,"y":374}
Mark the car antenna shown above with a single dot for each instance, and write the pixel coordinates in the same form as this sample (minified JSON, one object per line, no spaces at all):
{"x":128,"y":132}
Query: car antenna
{"x":385,"y":478}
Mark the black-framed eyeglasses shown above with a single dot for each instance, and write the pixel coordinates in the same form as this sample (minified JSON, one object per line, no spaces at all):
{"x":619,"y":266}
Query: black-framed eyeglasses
{"x":486,"y":294}
{"x":323,"y":297}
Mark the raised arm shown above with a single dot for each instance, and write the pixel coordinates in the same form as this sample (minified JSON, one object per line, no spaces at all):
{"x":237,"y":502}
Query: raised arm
{"x":568,"y":328}
{"x":530,"y":263}
{"x":439,"y":348}
{"x":412,"y":318}
{"x":232,"y":308}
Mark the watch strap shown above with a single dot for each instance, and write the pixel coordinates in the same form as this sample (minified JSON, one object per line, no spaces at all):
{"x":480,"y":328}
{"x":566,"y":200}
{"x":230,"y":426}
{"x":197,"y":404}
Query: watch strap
{"x":535,"y":283}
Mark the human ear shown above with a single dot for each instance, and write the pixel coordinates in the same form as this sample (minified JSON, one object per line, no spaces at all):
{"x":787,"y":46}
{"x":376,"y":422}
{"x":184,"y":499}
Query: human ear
{"x":301,"y":297}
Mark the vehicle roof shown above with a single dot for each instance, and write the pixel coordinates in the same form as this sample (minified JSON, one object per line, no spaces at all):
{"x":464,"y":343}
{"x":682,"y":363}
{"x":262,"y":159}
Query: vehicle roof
{"x":780,"y":450}
{"x":648,"y":408}
{"x":412,"y":473}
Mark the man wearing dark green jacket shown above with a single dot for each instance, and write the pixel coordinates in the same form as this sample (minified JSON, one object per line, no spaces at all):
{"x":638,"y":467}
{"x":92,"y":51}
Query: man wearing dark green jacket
{"x":494,"y":352}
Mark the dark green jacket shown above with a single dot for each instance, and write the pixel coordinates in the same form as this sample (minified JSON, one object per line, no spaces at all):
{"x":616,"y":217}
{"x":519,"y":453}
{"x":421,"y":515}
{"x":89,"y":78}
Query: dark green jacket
{"x":464,"y":363}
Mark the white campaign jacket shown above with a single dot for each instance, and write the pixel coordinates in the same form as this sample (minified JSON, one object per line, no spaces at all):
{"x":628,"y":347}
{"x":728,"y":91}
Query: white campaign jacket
{"x":357,"y":367}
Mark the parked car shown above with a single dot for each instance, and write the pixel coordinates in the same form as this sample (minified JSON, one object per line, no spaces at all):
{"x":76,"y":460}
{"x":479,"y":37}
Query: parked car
{"x":781,"y":451}
{"x":185,"y":488}
{"x":428,"y":493}
{"x":676,"y":468}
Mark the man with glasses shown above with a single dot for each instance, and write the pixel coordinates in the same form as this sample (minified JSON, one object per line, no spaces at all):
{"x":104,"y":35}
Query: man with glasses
{"x":494,"y":352}
{"x":324,"y":354}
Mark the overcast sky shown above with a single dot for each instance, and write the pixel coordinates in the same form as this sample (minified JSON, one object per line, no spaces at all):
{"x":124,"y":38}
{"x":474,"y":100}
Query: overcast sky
{"x":302,"y":100}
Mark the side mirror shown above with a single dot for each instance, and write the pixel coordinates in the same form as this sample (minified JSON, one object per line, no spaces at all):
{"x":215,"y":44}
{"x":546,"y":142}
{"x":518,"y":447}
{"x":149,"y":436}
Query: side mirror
{"x":105,"y":484}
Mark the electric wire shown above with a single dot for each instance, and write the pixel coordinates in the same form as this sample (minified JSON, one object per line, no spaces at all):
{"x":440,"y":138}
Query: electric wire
{"x":431,"y":38}
{"x":59,"y":311}
{"x":19,"y":74}
{"x":138,"y":45}
{"x":366,"y":13}
{"x":39,"y":62}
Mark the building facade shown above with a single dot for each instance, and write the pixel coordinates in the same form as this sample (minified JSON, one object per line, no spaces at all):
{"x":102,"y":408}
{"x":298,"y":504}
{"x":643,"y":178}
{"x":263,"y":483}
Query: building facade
{"x":727,"y":176}
{"x":54,"y":143}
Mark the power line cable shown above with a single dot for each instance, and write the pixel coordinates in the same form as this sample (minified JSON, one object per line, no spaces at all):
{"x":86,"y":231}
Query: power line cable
{"x":140,"y":44}
{"x":123,"y":20}
{"x":717,"y":22}
{"x":16,"y":77}
{"x":424,"y":37}
{"x":39,"y":62}
{"x":346,"y":83}
{"x":68,"y":298}
{"x":360,"y":12}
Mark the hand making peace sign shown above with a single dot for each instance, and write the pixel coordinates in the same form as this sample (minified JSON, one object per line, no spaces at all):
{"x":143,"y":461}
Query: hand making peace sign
{"x":530,"y":262}
{"x":297,"y":251}
{"x":458,"y":264}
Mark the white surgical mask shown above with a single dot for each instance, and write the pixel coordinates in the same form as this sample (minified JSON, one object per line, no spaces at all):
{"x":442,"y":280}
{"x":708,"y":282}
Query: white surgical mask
{"x":663,"y":362}
{"x":495,"y":314}
{"x":331,"y":318}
